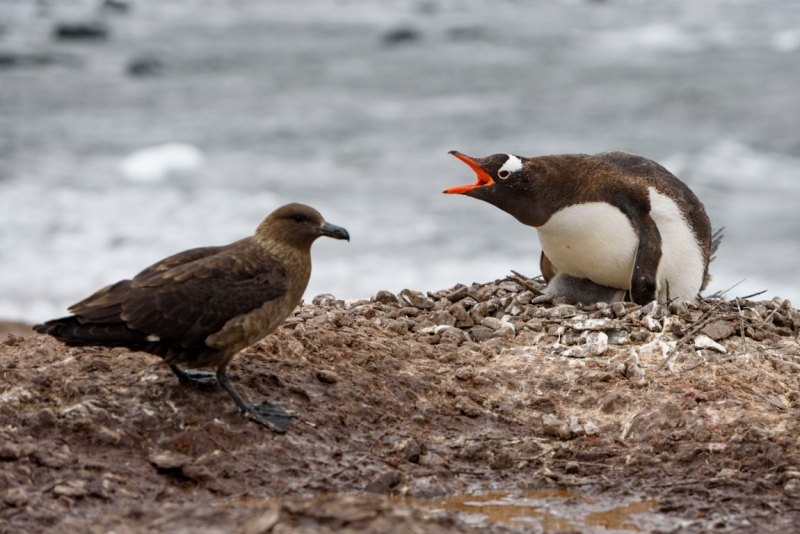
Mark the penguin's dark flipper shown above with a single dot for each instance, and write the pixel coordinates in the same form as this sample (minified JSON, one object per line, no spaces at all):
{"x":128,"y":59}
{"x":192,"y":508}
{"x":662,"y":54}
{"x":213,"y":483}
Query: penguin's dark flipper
{"x":547,"y":268}
{"x":645,"y":264}
{"x":194,"y":377}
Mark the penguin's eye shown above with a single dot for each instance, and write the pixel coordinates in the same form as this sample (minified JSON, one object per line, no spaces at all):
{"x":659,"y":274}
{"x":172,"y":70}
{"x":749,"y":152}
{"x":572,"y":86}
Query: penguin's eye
{"x":298,"y":218}
{"x":503,"y":174}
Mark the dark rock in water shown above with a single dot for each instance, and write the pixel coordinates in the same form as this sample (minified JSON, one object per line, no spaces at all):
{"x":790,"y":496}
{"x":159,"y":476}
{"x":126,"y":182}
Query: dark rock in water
{"x":11,"y":59}
{"x":119,"y":6}
{"x":145,"y":66}
{"x":81,"y":30}
{"x":400,"y":36}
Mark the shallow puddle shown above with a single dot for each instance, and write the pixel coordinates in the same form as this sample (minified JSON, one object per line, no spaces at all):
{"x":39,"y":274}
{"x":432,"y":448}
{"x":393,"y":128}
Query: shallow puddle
{"x":550,"y":510}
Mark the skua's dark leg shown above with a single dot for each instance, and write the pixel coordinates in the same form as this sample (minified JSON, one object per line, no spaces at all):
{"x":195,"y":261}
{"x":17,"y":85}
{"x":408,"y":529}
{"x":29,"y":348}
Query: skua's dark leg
{"x":264,"y":413}
{"x":194,"y":377}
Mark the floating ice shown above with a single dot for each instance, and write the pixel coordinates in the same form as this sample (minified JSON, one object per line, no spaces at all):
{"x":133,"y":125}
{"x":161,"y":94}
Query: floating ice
{"x":158,"y":163}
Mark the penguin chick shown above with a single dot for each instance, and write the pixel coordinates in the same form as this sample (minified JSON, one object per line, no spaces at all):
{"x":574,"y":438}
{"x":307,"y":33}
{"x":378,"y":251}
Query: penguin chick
{"x":582,"y":290}
{"x":617,"y":219}
{"x":200,"y":307}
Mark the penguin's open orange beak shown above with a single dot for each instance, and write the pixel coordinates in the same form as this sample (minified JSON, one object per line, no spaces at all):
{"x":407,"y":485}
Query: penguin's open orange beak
{"x":483,"y":176}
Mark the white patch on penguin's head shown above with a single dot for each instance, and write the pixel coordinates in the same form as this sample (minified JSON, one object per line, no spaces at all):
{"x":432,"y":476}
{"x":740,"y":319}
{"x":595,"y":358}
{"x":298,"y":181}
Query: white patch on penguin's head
{"x":512,"y":164}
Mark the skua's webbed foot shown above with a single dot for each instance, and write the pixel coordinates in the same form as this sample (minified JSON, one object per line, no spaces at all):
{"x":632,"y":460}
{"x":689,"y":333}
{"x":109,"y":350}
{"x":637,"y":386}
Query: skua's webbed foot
{"x":263,"y":413}
{"x":269,"y":415}
{"x":194,"y":377}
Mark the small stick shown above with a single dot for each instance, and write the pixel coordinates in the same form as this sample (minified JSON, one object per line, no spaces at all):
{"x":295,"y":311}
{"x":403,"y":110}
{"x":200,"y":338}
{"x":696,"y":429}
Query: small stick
{"x":364,"y":457}
{"x":524,"y":281}
{"x":741,"y":327}
{"x":692,"y":330}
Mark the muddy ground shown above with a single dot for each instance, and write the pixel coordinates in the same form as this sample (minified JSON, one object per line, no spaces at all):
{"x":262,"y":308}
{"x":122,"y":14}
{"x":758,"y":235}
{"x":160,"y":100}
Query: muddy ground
{"x":404,"y":401}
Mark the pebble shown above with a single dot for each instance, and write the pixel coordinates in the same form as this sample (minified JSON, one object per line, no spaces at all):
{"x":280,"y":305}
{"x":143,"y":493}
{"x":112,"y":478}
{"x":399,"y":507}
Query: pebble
{"x":326,"y":376}
{"x":595,"y":324}
{"x":168,"y":460}
{"x":718,"y":330}
{"x":617,"y":337}
{"x":705,"y":342}
{"x":492,"y":322}
{"x":15,"y":497}
{"x":385,"y":297}
{"x":468,"y":407}
{"x":416,"y":299}
{"x":553,"y":426}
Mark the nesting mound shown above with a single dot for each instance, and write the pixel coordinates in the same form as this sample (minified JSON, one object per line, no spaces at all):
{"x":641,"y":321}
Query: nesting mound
{"x":472,"y":389}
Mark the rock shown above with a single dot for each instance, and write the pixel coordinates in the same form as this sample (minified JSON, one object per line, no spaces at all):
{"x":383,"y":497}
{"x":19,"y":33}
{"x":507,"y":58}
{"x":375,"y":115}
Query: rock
{"x":618,"y":337}
{"x":81,"y":30}
{"x":400,"y":36}
{"x":465,"y":373}
{"x":523,"y":298}
{"x":596,"y":343}
{"x":416,"y":299}
{"x":632,"y":369}
{"x":649,"y":308}
{"x":413,"y":451}
{"x":10,"y":451}
{"x":553,"y":426}
{"x":73,"y":488}
{"x":408,"y":312}
{"x":705,"y":342}
{"x":107,"y":436}
{"x":443,"y":318}
{"x":621,"y":309}
{"x":641,"y":336}
{"x":386,"y":297}
{"x":327,"y":376}
{"x":263,"y":523}
{"x":431,"y":459}
{"x":506,"y":331}
{"x":384,"y":482}
{"x":15,"y":497}
{"x":398,"y":327}
{"x":451,"y":334}
{"x":492,"y":322}
{"x":463,"y":320}
{"x":168,"y":460}
{"x":718,"y":330}
{"x":502,"y":461}
{"x":559,"y":312}
{"x":458,"y":294}
{"x":481,"y":333}
{"x":572,"y":468}
{"x":468,"y":407}
{"x":590,"y":428}
{"x":614,"y":402}
{"x":145,"y":66}
{"x":595,"y":324}
{"x":651,"y":324}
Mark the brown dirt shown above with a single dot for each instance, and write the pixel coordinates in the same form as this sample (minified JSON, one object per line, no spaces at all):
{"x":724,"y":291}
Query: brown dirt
{"x":399,"y":401}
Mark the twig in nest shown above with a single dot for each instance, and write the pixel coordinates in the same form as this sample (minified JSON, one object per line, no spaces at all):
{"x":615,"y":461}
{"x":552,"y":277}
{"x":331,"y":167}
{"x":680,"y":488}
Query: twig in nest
{"x":741,"y":326}
{"x":754,"y":294}
{"x":524,"y":281}
{"x":721,"y":293}
{"x":364,"y":457}
{"x":692,"y":330}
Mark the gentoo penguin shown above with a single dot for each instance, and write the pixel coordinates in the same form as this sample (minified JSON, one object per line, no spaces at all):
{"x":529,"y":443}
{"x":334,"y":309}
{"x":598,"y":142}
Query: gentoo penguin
{"x":616,"y":219}
{"x":200,"y":307}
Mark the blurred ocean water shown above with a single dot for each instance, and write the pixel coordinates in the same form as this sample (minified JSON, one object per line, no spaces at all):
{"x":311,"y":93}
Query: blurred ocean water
{"x":351,"y":106}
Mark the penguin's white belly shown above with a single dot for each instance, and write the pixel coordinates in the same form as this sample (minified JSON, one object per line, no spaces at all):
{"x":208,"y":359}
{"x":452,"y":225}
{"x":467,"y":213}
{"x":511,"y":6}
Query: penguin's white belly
{"x":597,"y":241}
{"x":593,"y":240}
{"x":682,"y":265}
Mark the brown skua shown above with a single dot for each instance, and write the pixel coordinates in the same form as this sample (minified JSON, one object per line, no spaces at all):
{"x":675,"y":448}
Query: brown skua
{"x":200,"y":307}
